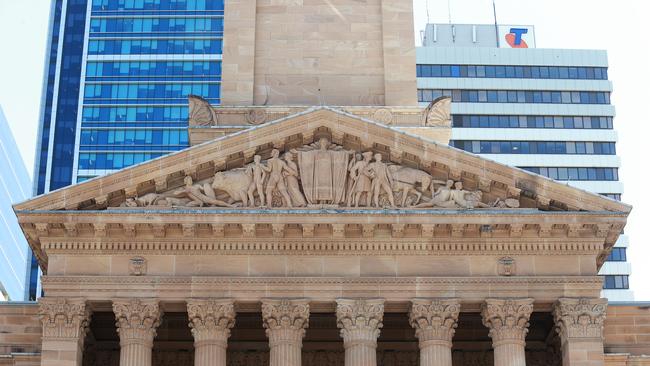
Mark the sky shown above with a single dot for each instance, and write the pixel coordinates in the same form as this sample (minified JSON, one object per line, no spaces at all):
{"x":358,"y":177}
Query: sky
{"x":617,"y":27}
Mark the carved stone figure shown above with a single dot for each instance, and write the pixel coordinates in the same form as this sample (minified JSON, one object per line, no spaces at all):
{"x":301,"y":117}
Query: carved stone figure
{"x":405,"y":180}
{"x":466,"y":199}
{"x":235,"y":183}
{"x":360,"y":183}
{"x":276,"y":167}
{"x":323,"y":174}
{"x":439,"y":196}
{"x":154,"y":200}
{"x":199,"y":195}
{"x":258,"y":172}
{"x":381,"y":180}
{"x":291,"y":180}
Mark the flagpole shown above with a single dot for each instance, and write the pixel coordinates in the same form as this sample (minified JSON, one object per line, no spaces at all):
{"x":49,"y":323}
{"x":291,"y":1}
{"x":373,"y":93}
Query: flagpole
{"x":496,"y":26}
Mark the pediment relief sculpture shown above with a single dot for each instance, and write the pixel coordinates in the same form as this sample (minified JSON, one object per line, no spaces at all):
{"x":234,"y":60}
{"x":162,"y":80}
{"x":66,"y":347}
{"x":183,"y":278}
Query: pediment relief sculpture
{"x":321,"y":175}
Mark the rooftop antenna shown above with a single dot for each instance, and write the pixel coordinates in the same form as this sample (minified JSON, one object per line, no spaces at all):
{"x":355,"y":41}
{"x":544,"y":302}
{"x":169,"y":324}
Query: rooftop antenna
{"x":428,"y":17}
{"x":449,"y":10}
{"x":496,"y":26}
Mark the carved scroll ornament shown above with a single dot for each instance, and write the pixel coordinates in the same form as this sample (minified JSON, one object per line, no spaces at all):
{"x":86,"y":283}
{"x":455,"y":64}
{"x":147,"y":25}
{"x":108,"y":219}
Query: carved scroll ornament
{"x":321,"y":175}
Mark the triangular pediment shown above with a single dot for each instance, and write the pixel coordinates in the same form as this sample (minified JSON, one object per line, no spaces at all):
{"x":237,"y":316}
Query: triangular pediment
{"x":160,"y":182}
{"x":334,"y":183}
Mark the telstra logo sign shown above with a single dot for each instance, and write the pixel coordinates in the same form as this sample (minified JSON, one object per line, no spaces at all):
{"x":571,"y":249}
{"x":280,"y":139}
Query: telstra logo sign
{"x":515,"y":38}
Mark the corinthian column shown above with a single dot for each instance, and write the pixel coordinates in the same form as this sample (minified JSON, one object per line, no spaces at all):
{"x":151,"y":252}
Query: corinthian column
{"x":360,"y":321}
{"x":508,"y":323}
{"x":65,"y":323}
{"x":285,"y":321}
{"x":435,"y":323}
{"x":137,"y":321}
{"x":211,"y":321}
{"x":580,"y":325}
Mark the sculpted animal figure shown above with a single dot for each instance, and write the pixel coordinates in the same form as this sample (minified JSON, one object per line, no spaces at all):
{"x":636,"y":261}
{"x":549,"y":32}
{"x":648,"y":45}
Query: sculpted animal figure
{"x":405,"y":179}
{"x":235,"y":183}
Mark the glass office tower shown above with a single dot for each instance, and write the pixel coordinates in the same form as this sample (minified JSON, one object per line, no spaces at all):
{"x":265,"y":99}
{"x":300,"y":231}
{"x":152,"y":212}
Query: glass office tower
{"x":15,"y":254}
{"x":117,"y":76}
{"x":117,"y":79}
{"x":547,"y":111}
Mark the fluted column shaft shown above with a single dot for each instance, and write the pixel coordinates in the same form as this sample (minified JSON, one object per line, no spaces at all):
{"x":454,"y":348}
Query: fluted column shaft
{"x":435,"y":322}
{"x":65,"y":324}
{"x":579,"y":322}
{"x":507,"y":320}
{"x":360,"y":321}
{"x":285,"y":321}
{"x":137,"y":321}
{"x":211,"y":321}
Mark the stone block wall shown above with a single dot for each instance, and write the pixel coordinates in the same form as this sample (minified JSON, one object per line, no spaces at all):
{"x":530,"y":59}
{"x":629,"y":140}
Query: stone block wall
{"x":627,"y":329}
{"x":20,"y":334}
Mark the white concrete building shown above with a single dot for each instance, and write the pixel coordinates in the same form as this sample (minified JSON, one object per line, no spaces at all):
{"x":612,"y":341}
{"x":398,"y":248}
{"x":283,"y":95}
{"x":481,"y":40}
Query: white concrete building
{"x":544,"y":110}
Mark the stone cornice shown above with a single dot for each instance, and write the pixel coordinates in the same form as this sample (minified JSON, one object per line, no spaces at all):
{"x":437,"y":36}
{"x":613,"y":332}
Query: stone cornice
{"x":324,"y":246}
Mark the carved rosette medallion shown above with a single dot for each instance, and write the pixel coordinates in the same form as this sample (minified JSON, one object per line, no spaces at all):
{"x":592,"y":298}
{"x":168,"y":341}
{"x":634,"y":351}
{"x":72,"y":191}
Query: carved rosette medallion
{"x":580,"y":318}
{"x":137,"y":320}
{"x":507,"y":319}
{"x":256,"y":116}
{"x":285,"y":320}
{"x":383,"y":115}
{"x":434,"y":320}
{"x":360,"y":320}
{"x":211,"y":320}
{"x":64,"y":318}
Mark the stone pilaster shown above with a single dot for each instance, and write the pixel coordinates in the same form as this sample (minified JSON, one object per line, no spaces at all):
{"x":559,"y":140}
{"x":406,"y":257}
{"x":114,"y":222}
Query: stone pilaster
{"x":285,"y":321}
{"x":211,"y":321}
{"x":435,"y":322}
{"x":65,"y":323}
{"x":136,"y":322}
{"x":579,"y":323}
{"x":360,"y":321}
{"x":507,"y":320}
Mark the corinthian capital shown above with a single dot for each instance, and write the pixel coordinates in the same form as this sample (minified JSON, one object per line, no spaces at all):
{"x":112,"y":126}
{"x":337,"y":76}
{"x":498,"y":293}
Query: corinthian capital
{"x":507,"y":319}
{"x":356,"y":316}
{"x":580,"y":318}
{"x":64,"y":318}
{"x":137,"y":319}
{"x":211,"y":319}
{"x":285,"y":314}
{"x":434,"y":319}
